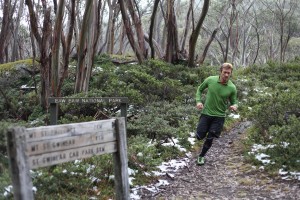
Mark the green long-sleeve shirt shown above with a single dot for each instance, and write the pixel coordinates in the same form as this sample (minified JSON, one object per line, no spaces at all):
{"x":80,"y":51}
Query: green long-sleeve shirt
{"x":217,"y":97}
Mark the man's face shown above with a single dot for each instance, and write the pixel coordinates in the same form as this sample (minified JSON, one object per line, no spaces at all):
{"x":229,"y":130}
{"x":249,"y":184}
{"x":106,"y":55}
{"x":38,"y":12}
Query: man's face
{"x":225,"y":75}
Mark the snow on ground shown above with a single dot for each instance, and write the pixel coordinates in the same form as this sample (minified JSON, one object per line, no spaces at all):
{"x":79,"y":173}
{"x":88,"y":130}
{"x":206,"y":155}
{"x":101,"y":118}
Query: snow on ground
{"x":166,"y":168}
{"x":265,"y":160}
{"x":172,"y":166}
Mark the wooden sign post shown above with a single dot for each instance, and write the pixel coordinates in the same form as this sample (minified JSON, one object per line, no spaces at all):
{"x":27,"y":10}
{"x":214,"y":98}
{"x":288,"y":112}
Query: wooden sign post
{"x":53,"y":101}
{"x":32,"y":148}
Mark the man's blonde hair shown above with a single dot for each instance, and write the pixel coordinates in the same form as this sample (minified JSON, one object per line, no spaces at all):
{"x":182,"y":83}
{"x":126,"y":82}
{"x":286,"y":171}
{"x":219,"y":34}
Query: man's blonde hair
{"x":226,"y":66}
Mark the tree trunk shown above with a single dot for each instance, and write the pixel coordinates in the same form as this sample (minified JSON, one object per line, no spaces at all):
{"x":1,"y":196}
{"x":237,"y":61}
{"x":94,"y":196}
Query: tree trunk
{"x":5,"y":28}
{"x":110,"y":34}
{"x":44,"y":46}
{"x":155,"y":45}
{"x":81,"y":71}
{"x":212,"y":37}
{"x":91,"y":44}
{"x":155,"y":6}
{"x":229,"y":39}
{"x":15,"y":55}
{"x":66,"y":48}
{"x":187,"y":26}
{"x":129,"y":32}
{"x":172,"y":48}
{"x":195,"y":34}
{"x":100,"y":46}
{"x":122,"y":36}
{"x":138,"y":28}
{"x":55,"y":48}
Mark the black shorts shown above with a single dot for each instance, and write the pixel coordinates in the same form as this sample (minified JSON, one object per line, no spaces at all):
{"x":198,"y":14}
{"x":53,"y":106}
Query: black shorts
{"x":210,"y":124}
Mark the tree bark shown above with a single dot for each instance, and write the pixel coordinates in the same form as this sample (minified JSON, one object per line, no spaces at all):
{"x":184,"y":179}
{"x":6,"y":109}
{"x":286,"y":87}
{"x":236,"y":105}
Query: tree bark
{"x":151,"y":29}
{"x":138,"y":28}
{"x":129,"y":32}
{"x":81,"y":71}
{"x":5,"y":28}
{"x":195,"y":34}
{"x":55,"y":48}
{"x":15,"y":55}
{"x":187,"y":26}
{"x":155,"y":45}
{"x":92,"y":43}
{"x":212,"y":37}
{"x":110,"y":34}
{"x":66,"y":48}
{"x":172,"y":48}
{"x":44,"y":46}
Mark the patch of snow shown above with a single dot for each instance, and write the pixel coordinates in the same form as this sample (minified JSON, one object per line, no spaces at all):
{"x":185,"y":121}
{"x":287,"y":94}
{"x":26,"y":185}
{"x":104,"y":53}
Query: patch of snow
{"x":166,"y":168}
{"x":286,"y":175}
{"x":234,"y":116}
{"x":8,"y":190}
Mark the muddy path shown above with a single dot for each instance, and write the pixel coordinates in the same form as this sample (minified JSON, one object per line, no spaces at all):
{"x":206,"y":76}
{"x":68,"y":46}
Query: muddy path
{"x":225,"y":175}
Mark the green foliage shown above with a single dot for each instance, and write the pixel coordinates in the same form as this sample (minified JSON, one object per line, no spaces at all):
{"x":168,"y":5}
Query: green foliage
{"x":160,"y":120}
{"x":61,"y":181}
{"x":12,"y":67}
{"x":161,"y":108}
{"x":68,"y":88}
{"x":271,"y":110}
{"x":142,"y":154}
{"x":286,"y":140}
{"x":272,"y":95}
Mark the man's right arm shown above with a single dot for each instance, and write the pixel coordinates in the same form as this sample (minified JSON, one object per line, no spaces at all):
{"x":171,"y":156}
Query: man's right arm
{"x":200,"y":89}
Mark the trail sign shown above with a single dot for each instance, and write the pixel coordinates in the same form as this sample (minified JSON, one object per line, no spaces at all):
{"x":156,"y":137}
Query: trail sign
{"x":53,"y":101}
{"x":32,"y":148}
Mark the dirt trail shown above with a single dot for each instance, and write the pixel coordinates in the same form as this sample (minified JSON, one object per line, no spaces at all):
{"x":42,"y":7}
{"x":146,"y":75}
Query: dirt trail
{"x":225,"y":175}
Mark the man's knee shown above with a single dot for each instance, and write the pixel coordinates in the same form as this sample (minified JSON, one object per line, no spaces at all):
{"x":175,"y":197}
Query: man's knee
{"x":200,"y":136}
{"x":208,"y":142}
{"x":215,"y":134}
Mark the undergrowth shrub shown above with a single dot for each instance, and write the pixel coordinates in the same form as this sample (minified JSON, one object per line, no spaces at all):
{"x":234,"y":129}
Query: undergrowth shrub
{"x":160,"y":120}
{"x":61,"y":180}
{"x":271,"y":110}
{"x":272,"y":107}
{"x":286,"y":140}
{"x":141,"y":151}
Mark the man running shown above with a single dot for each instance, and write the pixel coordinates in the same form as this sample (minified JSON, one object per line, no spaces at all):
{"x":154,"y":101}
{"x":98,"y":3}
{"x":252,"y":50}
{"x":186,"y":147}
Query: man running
{"x":220,"y":92}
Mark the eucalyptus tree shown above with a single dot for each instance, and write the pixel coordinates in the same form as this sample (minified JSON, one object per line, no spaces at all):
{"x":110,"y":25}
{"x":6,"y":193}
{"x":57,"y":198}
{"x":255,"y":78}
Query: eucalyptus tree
{"x":89,"y":34}
{"x":55,"y":47}
{"x":246,"y":30}
{"x":136,"y":19}
{"x":66,"y":40}
{"x":279,"y":21}
{"x":284,"y":13}
{"x":220,"y":19}
{"x":151,"y":28}
{"x":113,"y":12}
{"x":172,"y":48}
{"x":8,"y":9}
{"x":43,"y":37}
{"x":195,"y":34}
{"x":139,"y":50}
{"x":16,"y":41}
{"x":188,"y":21}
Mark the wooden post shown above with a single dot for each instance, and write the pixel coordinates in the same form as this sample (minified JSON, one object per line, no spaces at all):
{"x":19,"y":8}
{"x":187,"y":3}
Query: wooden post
{"x":121,"y":162}
{"x":19,"y":171}
{"x":124,"y":111}
{"x":53,"y":113}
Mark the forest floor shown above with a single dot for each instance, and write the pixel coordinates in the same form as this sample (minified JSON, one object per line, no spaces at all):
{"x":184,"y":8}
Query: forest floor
{"x":225,"y":175}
